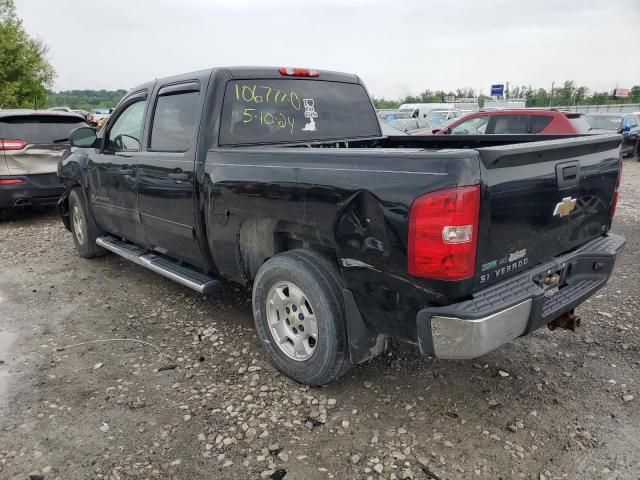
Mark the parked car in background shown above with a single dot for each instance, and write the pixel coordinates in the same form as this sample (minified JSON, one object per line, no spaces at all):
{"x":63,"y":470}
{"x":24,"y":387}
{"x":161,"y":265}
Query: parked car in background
{"x":31,"y":143}
{"x":409,"y":125}
{"x":391,"y":131}
{"x":97,"y":114}
{"x":628,"y":124}
{"x":387,"y":115}
{"x":82,"y":113}
{"x":422,"y":110}
{"x":441,"y":118}
{"x":60,"y":109}
{"x":517,"y":121}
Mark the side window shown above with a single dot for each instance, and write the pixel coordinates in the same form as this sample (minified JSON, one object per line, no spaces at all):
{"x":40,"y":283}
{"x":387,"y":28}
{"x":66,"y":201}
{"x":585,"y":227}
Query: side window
{"x":539,"y":122}
{"x":473,"y":126}
{"x":125,"y":133}
{"x":509,"y":124}
{"x":174,"y":122}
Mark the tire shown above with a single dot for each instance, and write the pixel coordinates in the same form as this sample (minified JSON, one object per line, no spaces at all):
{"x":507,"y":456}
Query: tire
{"x":295,"y":352}
{"x":84,"y":229}
{"x":636,"y":151}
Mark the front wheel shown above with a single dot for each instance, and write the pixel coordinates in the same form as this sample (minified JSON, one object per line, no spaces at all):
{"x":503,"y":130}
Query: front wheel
{"x":636,"y":151}
{"x":299,"y":315}
{"x":84,"y":229}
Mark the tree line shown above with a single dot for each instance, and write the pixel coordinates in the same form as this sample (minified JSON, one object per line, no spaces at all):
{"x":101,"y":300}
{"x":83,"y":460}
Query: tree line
{"x":24,"y":70}
{"x":85,"y":99}
{"x":567,"y":93}
{"x":26,"y":75}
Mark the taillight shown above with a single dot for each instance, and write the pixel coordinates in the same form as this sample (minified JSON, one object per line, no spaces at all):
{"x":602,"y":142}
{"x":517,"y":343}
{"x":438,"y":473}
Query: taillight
{"x":11,"y":181}
{"x":299,"y":72}
{"x":443,"y":233}
{"x":614,"y":203}
{"x":13,"y":144}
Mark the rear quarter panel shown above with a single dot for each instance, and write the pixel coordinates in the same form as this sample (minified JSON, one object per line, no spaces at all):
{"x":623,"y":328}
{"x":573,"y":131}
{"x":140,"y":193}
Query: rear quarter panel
{"x":354,"y":202}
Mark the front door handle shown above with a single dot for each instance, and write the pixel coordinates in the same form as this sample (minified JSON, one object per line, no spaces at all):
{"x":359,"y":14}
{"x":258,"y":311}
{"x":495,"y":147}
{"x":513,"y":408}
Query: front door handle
{"x":179,"y":177}
{"x":127,"y":171}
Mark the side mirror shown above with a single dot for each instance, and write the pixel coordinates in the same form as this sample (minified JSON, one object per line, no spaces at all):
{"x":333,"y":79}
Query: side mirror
{"x":84,"y":137}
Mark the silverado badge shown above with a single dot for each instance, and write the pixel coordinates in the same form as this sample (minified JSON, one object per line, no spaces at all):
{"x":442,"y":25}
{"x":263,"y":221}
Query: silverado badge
{"x":565,"y":207}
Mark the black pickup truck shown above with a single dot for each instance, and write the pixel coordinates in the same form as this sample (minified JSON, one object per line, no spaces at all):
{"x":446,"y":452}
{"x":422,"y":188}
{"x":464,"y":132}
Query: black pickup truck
{"x":281,"y":179}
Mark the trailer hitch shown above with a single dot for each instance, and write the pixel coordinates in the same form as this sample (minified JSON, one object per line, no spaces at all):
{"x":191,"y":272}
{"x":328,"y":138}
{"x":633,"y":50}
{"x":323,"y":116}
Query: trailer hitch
{"x":568,"y":320}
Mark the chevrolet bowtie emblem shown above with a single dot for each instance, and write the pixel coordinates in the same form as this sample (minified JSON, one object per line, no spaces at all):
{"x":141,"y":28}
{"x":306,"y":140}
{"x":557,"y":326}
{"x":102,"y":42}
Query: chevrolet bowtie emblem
{"x":565,"y":207}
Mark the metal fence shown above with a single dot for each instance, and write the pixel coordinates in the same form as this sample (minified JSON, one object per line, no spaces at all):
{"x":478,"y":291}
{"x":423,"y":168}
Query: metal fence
{"x":620,"y":108}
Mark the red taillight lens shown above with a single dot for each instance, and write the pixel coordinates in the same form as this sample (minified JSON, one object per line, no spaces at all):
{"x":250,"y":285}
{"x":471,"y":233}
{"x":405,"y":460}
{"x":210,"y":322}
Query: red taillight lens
{"x":443,"y":234}
{"x":13,"y":144}
{"x":299,"y":72}
{"x":614,"y":203}
{"x":11,"y":181}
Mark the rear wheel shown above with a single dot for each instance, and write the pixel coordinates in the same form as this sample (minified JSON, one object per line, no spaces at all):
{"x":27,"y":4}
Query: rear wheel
{"x":299,"y":316}
{"x":84,"y":229}
{"x":636,"y":151}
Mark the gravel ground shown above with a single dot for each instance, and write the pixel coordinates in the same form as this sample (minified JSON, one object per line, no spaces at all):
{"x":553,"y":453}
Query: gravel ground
{"x":191,"y":394}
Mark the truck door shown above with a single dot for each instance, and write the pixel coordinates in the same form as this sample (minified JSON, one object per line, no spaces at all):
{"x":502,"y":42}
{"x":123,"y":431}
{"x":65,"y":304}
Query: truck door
{"x":112,"y":171}
{"x":166,"y":173}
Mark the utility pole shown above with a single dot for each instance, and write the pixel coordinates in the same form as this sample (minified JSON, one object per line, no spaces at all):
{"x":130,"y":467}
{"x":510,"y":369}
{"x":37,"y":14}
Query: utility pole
{"x":551,"y":96}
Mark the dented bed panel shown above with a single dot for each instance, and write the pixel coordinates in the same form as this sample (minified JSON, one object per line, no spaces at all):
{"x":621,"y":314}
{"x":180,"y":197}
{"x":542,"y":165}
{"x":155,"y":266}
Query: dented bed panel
{"x":351,"y":201}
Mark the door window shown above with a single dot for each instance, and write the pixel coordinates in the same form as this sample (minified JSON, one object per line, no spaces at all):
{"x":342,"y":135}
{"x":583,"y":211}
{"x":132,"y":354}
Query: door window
{"x":473,"y":126}
{"x":174,"y":122}
{"x":125,"y":133}
{"x":509,"y":124}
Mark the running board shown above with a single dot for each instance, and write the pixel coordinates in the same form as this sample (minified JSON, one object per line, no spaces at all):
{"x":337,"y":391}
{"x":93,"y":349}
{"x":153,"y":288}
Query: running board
{"x":183,"y":275}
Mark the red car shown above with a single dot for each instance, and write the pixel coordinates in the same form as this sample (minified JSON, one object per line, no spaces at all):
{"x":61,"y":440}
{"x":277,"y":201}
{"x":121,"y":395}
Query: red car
{"x":515,"y":121}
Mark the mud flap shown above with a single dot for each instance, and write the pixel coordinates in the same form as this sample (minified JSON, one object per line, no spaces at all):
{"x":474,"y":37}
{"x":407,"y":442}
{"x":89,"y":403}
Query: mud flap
{"x":364,"y":343}
{"x":63,"y":210}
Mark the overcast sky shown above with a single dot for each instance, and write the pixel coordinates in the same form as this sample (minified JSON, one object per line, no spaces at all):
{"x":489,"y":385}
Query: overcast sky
{"x":397,"y":47}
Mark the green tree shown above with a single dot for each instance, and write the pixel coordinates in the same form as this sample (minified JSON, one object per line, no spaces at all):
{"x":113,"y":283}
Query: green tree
{"x":24,"y":70}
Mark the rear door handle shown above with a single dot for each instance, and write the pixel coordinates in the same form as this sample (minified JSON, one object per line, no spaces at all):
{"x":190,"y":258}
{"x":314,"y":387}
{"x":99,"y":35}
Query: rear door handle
{"x":127,"y":171}
{"x":179,"y":177}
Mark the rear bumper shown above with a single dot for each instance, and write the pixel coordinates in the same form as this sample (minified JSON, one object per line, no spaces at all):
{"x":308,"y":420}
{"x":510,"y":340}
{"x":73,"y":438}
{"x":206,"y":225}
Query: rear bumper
{"x":36,"y":189}
{"x":517,"y":306}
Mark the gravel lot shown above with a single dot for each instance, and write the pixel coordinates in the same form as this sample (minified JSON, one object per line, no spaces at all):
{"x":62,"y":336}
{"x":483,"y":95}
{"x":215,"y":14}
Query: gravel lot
{"x":200,"y":400}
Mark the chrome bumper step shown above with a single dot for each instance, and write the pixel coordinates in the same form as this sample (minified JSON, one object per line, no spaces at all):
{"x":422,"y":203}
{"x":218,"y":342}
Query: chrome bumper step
{"x":183,"y":275}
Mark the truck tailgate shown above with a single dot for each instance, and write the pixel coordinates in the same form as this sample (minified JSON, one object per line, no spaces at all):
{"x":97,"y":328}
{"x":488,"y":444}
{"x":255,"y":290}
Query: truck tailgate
{"x":542,"y":199}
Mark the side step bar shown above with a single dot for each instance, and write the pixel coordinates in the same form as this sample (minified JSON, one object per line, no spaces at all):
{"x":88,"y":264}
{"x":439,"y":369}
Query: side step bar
{"x":183,"y":275}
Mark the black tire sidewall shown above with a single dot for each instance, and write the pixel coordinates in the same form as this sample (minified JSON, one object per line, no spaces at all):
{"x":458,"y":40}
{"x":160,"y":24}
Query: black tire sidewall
{"x":88,"y":248}
{"x":326,"y":363}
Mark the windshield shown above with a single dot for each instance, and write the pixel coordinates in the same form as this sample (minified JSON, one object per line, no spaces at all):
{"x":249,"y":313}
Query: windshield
{"x":604,"y":122}
{"x":287,"y":110}
{"x":40,"y":129}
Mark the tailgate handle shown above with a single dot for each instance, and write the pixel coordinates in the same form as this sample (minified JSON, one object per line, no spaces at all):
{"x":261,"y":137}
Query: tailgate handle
{"x":568,"y":174}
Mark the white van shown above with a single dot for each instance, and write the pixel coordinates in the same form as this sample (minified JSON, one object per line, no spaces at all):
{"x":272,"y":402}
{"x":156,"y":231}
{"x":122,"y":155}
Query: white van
{"x":421,"y":110}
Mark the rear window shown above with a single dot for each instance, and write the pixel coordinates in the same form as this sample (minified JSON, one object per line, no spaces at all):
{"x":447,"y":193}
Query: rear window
{"x":539,"y":122}
{"x":40,"y":129}
{"x":287,"y":110}
{"x":174,"y":122}
{"x":579,"y":123}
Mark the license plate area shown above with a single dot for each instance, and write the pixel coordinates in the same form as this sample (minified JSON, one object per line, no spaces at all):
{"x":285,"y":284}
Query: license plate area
{"x":552,"y":281}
